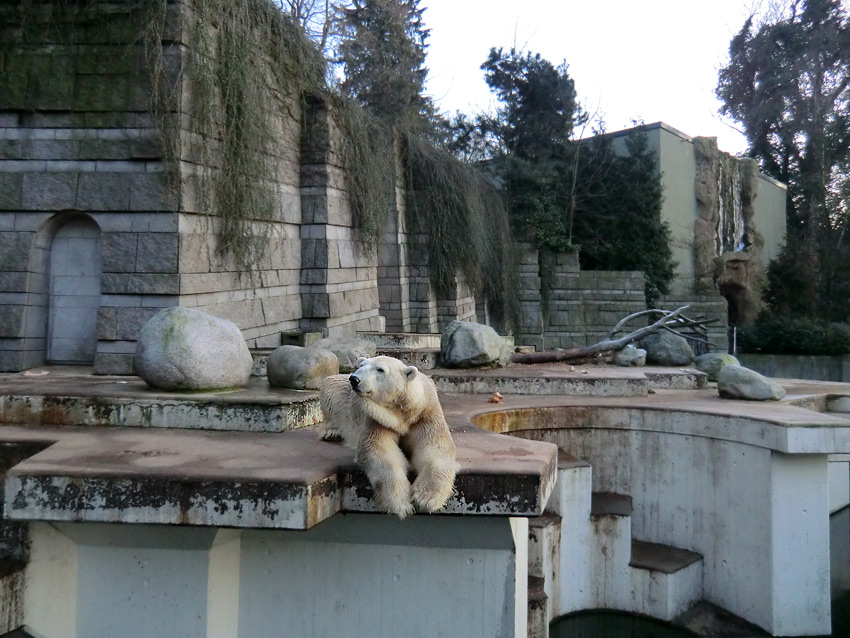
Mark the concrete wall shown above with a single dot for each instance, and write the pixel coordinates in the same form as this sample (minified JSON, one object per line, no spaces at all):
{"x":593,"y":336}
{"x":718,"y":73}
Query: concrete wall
{"x":793,"y":366}
{"x":716,"y":485}
{"x":355,"y":575}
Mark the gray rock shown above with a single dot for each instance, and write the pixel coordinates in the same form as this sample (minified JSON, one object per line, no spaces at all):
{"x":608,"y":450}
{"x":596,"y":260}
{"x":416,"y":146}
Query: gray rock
{"x":472,"y":345}
{"x":186,"y":349}
{"x":664,"y":348}
{"x":738,"y":382}
{"x":347,"y":350}
{"x":300,"y":368}
{"x":712,"y":363}
{"x":630,"y":356}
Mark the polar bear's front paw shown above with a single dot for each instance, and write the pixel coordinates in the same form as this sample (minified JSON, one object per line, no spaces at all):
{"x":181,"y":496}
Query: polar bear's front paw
{"x":331,"y":434}
{"x":402,"y":510}
{"x":395,"y":501}
{"x":430,"y":496}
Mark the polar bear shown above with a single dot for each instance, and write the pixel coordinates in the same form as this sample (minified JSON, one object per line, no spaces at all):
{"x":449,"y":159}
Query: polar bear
{"x":389,"y":414}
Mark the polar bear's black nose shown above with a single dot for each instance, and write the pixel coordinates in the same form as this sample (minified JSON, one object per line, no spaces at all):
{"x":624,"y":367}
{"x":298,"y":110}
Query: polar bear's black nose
{"x":354,"y":381}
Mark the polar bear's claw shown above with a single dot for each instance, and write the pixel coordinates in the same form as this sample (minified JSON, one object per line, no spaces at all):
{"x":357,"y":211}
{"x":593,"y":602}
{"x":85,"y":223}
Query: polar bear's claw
{"x":331,"y":434}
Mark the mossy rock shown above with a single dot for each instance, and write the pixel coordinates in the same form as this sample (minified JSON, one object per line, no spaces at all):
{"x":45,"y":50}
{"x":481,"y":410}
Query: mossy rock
{"x":713,"y":362}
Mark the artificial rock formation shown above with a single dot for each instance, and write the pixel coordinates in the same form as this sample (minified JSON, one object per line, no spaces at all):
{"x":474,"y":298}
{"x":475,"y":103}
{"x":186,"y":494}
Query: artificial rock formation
{"x":727,"y":247}
{"x":186,"y":349}
{"x":347,"y":350}
{"x":712,"y":362}
{"x":738,"y":382}
{"x":666,"y":349}
{"x":472,"y":345}
{"x":300,"y":368}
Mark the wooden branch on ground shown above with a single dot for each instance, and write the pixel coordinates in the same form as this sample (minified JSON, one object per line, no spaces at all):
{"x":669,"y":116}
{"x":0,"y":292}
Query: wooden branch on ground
{"x":668,"y":320}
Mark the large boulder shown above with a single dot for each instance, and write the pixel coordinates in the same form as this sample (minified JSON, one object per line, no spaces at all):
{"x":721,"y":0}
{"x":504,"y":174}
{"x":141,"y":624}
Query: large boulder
{"x":347,"y":350}
{"x":630,"y":356}
{"x":186,"y":349}
{"x":738,"y":382}
{"x":472,"y":345}
{"x":712,"y":362}
{"x":663,"y":348}
{"x":300,"y":368}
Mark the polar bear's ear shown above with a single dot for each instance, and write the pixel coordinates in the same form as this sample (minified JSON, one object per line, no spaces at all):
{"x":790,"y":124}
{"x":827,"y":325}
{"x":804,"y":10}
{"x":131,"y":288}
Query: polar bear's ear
{"x":410,"y":372}
{"x":360,"y":361}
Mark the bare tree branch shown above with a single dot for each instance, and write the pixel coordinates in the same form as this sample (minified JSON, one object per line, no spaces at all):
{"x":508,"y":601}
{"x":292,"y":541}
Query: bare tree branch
{"x":667,"y":320}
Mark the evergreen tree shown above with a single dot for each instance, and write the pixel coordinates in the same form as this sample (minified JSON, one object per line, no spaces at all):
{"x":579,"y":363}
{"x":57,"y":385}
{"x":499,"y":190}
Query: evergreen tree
{"x":383,"y":56}
{"x":788,"y":85}
{"x":572,"y":194}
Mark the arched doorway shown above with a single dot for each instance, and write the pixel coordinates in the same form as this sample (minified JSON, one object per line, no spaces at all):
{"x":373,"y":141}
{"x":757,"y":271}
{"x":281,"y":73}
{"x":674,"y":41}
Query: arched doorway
{"x":74,"y":280}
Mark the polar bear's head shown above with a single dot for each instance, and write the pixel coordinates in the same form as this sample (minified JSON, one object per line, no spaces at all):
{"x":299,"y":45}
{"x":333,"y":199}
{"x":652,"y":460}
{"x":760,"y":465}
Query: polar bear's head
{"x":384,"y":380}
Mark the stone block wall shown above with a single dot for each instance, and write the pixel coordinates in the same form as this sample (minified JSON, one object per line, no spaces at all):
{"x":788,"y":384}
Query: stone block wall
{"x":577,"y":307}
{"x":77,"y":139}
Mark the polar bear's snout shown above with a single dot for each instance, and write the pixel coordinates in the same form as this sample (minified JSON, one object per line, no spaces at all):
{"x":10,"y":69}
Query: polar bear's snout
{"x":355,"y":382}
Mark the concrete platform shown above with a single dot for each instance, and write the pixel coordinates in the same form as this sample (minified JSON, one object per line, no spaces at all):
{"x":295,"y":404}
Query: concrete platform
{"x":72,"y":396}
{"x":290,"y":480}
{"x":569,"y":380}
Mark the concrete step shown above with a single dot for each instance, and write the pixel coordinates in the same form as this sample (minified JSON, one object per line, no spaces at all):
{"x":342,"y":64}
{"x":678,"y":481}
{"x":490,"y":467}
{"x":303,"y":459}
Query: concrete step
{"x":676,"y":379}
{"x":402,"y":339}
{"x":422,"y":358}
{"x":129,"y":402}
{"x":530,"y":380}
{"x":611,"y":548}
{"x":610,"y":504}
{"x":666,"y":580}
{"x":538,"y":609}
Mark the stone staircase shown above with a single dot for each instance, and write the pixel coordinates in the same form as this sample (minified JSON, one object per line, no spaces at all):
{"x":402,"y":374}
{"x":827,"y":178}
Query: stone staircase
{"x":581,"y":555}
{"x":414,"y":349}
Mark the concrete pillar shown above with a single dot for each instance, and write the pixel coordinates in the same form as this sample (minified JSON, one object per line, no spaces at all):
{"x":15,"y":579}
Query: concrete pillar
{"x":394,"y":263}
{"x":423,"y":301}
{"x":339,"y":274}
{"x":800,"y":545}
{"x":530,"y":331}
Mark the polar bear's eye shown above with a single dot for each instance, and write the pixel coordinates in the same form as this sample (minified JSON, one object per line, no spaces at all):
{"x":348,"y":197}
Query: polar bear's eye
{"x":381,"y":370}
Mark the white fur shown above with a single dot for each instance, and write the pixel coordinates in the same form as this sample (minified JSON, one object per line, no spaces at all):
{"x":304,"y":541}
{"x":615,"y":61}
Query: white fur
{"x":393,"y":410}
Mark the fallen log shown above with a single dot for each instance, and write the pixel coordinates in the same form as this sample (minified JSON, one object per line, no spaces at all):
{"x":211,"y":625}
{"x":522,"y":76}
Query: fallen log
{"x":668,"y":321}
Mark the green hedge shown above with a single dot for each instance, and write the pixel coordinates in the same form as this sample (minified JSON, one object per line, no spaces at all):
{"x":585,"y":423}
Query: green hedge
{"x":795,"y":336}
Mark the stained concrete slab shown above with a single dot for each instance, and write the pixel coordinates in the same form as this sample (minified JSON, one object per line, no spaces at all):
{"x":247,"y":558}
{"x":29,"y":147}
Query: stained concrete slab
{"x":60,"y":396}
{"x":282,"y":481}
{"x":293,"y":480}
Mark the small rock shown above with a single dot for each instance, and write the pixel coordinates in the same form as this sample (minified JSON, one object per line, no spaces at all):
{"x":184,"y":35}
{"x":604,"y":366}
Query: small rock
{"x":630,"y":356}
{"x":738,"y":382}
{"x":712,"y":363}
{"x":300,"y":368}
{"x":664,"y":348}
{"x":572,"y":368}
{"x":466,"y":344}
{"x":347,"y":350}
{"x":186,"y":349}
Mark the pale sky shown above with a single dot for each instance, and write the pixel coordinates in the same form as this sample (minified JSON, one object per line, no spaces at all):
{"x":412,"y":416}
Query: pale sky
{"x":655,"y":60}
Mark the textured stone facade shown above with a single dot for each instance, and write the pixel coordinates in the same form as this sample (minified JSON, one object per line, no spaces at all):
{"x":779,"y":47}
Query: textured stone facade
{"x":78,"y":141}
